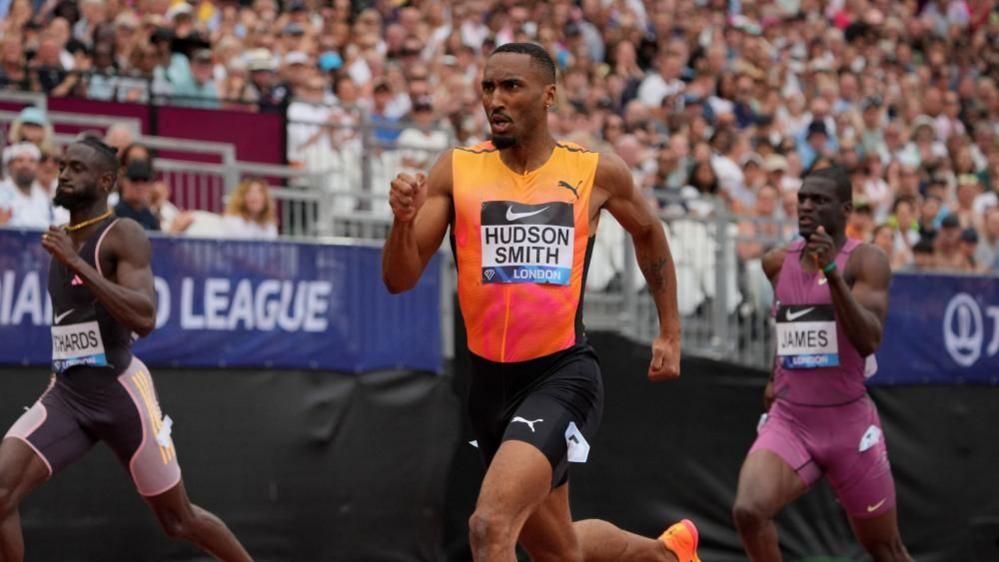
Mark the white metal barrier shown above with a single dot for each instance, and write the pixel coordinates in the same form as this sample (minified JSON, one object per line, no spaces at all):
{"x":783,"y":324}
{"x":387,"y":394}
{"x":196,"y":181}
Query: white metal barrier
{"x":724,"y":300}
{"x":99,"y":122}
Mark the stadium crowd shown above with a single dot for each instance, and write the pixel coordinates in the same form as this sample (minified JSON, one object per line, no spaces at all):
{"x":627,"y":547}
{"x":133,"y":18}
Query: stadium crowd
{"x":708,"y":101}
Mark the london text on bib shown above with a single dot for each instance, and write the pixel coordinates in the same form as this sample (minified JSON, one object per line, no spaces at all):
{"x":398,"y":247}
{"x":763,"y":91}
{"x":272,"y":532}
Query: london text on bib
{"x":527,"y":243}
{"x":806,"y":336}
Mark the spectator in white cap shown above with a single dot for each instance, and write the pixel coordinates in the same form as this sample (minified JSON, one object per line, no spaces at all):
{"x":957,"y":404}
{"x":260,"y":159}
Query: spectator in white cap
{"x":296,"y":69}
{"x":269,"y":91}
{"x":307,"y":116}
{"x":31,"y":126}
{"x":23,"y":203}
{"x":126,"y":24}
{"x":236,"y":87}
{"x":776,"y":167}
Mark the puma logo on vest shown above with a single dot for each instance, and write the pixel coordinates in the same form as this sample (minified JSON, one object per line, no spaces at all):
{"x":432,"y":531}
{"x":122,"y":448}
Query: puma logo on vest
{"x":567,"y":185}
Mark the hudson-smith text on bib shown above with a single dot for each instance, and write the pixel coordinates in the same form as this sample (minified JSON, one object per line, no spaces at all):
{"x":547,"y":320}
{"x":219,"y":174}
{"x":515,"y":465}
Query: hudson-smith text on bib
{"x":806,"y":336}
{"x":527,"y":243}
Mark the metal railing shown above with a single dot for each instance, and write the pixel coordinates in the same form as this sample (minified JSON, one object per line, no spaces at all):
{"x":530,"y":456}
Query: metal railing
{"x":724,"y":300}
{"x":366,"y":154}
{"x":342,"y":192}
{"x":98,"y":122}
{"x":36,"y":99}
{"x":195,"y":185}
{"x":303,"y":208}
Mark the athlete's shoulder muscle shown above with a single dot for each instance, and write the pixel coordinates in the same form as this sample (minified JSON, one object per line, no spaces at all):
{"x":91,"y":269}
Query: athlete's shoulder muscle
{"x":440,"y":178}
{"x":772,"y":262}
{"x":869,"y":264}
{"x":613,"y":177}
{"x":126,"y":240}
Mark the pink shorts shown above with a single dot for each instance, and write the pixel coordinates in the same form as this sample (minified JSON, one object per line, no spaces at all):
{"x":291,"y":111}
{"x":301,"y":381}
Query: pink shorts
{"x":87,"y":405}
{"x":844,"y":443}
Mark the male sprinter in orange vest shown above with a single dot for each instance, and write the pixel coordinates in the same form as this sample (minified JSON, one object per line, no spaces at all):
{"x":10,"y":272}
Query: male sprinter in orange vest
{"x":523,"y":210}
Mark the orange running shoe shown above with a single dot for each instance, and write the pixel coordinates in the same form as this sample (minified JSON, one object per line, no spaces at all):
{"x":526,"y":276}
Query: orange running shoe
{"x":681,"y":540}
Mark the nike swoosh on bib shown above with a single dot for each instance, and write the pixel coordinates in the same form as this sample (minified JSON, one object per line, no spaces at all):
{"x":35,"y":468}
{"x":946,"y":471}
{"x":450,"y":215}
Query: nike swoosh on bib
{"x":63,"y":315}
{"x":512,"y":215}
{"x":792,"y":316}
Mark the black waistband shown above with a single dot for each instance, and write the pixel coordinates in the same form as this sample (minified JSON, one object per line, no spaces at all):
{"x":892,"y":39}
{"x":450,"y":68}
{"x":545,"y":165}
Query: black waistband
{"x":526,"y":372}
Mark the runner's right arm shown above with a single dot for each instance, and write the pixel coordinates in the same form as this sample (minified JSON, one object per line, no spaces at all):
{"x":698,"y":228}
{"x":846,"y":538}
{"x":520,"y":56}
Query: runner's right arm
{"x":131,"y":297}
{"x":422,"y":209}
{"x":772,"y":262}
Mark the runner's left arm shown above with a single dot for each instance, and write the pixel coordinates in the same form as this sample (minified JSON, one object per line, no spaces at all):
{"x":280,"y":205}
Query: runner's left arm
{"x":131,"y":298}
{"x":862,"y":308}
{"x":633,"y":211}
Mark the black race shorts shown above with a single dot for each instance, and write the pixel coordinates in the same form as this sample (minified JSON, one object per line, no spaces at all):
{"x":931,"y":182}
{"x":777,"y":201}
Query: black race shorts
{"x":553,"y":403}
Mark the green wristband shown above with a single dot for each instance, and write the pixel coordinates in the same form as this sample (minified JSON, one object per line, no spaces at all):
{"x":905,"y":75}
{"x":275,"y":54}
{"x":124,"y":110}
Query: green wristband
{"x":829,"y":268}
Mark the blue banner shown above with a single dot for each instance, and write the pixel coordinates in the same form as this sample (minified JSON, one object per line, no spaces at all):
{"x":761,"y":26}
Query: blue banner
{"x":941,"y":329}
{"x":246,"y":304}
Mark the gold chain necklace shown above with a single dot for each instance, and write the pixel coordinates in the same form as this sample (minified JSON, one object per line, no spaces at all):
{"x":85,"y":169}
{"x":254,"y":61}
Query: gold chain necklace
{"x":86,"y":223}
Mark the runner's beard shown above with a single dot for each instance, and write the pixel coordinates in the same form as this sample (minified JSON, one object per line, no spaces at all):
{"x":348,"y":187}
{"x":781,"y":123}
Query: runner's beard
{"x":503,"y":142}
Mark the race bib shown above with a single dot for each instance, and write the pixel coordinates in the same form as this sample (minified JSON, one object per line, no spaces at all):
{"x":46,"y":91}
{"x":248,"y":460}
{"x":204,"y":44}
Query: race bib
{"x":527,"y":243}
{"x":77,"y":344}
{"x":806,"y":336}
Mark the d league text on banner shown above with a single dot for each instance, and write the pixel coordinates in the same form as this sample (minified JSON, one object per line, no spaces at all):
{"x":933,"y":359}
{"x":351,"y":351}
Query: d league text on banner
{"x":941,"y":329}
{"x":253,"y":304}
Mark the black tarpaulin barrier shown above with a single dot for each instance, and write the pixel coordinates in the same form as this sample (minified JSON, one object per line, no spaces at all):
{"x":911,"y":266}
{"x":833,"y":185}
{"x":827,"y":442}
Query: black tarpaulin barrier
{"x":671,"y":450}
{"x":310,"y":466}
{"x":303,"y":466}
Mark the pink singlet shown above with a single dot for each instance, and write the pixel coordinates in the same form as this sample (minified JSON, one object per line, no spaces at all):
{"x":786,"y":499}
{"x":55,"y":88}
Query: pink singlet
{"x":822,"y":422}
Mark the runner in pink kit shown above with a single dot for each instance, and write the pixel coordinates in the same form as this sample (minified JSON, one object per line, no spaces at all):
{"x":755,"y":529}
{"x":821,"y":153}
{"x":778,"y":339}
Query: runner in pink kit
{"x":831,"y":302}
{"x":102,"y":294}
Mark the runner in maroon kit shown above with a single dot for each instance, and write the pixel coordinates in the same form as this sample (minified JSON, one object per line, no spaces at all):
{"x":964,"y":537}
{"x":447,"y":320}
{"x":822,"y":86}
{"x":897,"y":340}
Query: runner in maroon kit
{"x":831,"y":302}
{"x":102,"y":294}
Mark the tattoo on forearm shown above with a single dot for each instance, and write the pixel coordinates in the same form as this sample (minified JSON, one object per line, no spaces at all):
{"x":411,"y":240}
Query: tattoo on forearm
{"x":655,"y":273}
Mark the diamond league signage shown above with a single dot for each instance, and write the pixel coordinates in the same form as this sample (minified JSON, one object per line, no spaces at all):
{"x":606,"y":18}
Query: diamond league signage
{"x":249,"y":304}
{"x":941,"y":328}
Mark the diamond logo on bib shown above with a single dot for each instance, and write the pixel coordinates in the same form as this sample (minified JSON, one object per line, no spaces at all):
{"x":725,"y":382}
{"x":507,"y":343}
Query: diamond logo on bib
{"x":527,"y":243}
{"x":806,"y":336}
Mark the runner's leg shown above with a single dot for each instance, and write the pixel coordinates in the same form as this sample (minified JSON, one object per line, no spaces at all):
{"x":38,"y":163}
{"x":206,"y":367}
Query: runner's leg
{"x":880,"y":537}
{"x":141,"y":436}
{"x":44,"y":440}
{"x":182,"y":520}
{"x":766,"y":484}
{"x":21,"y":470}
{"x":517,"y":482}
{"x":604,"y":542}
